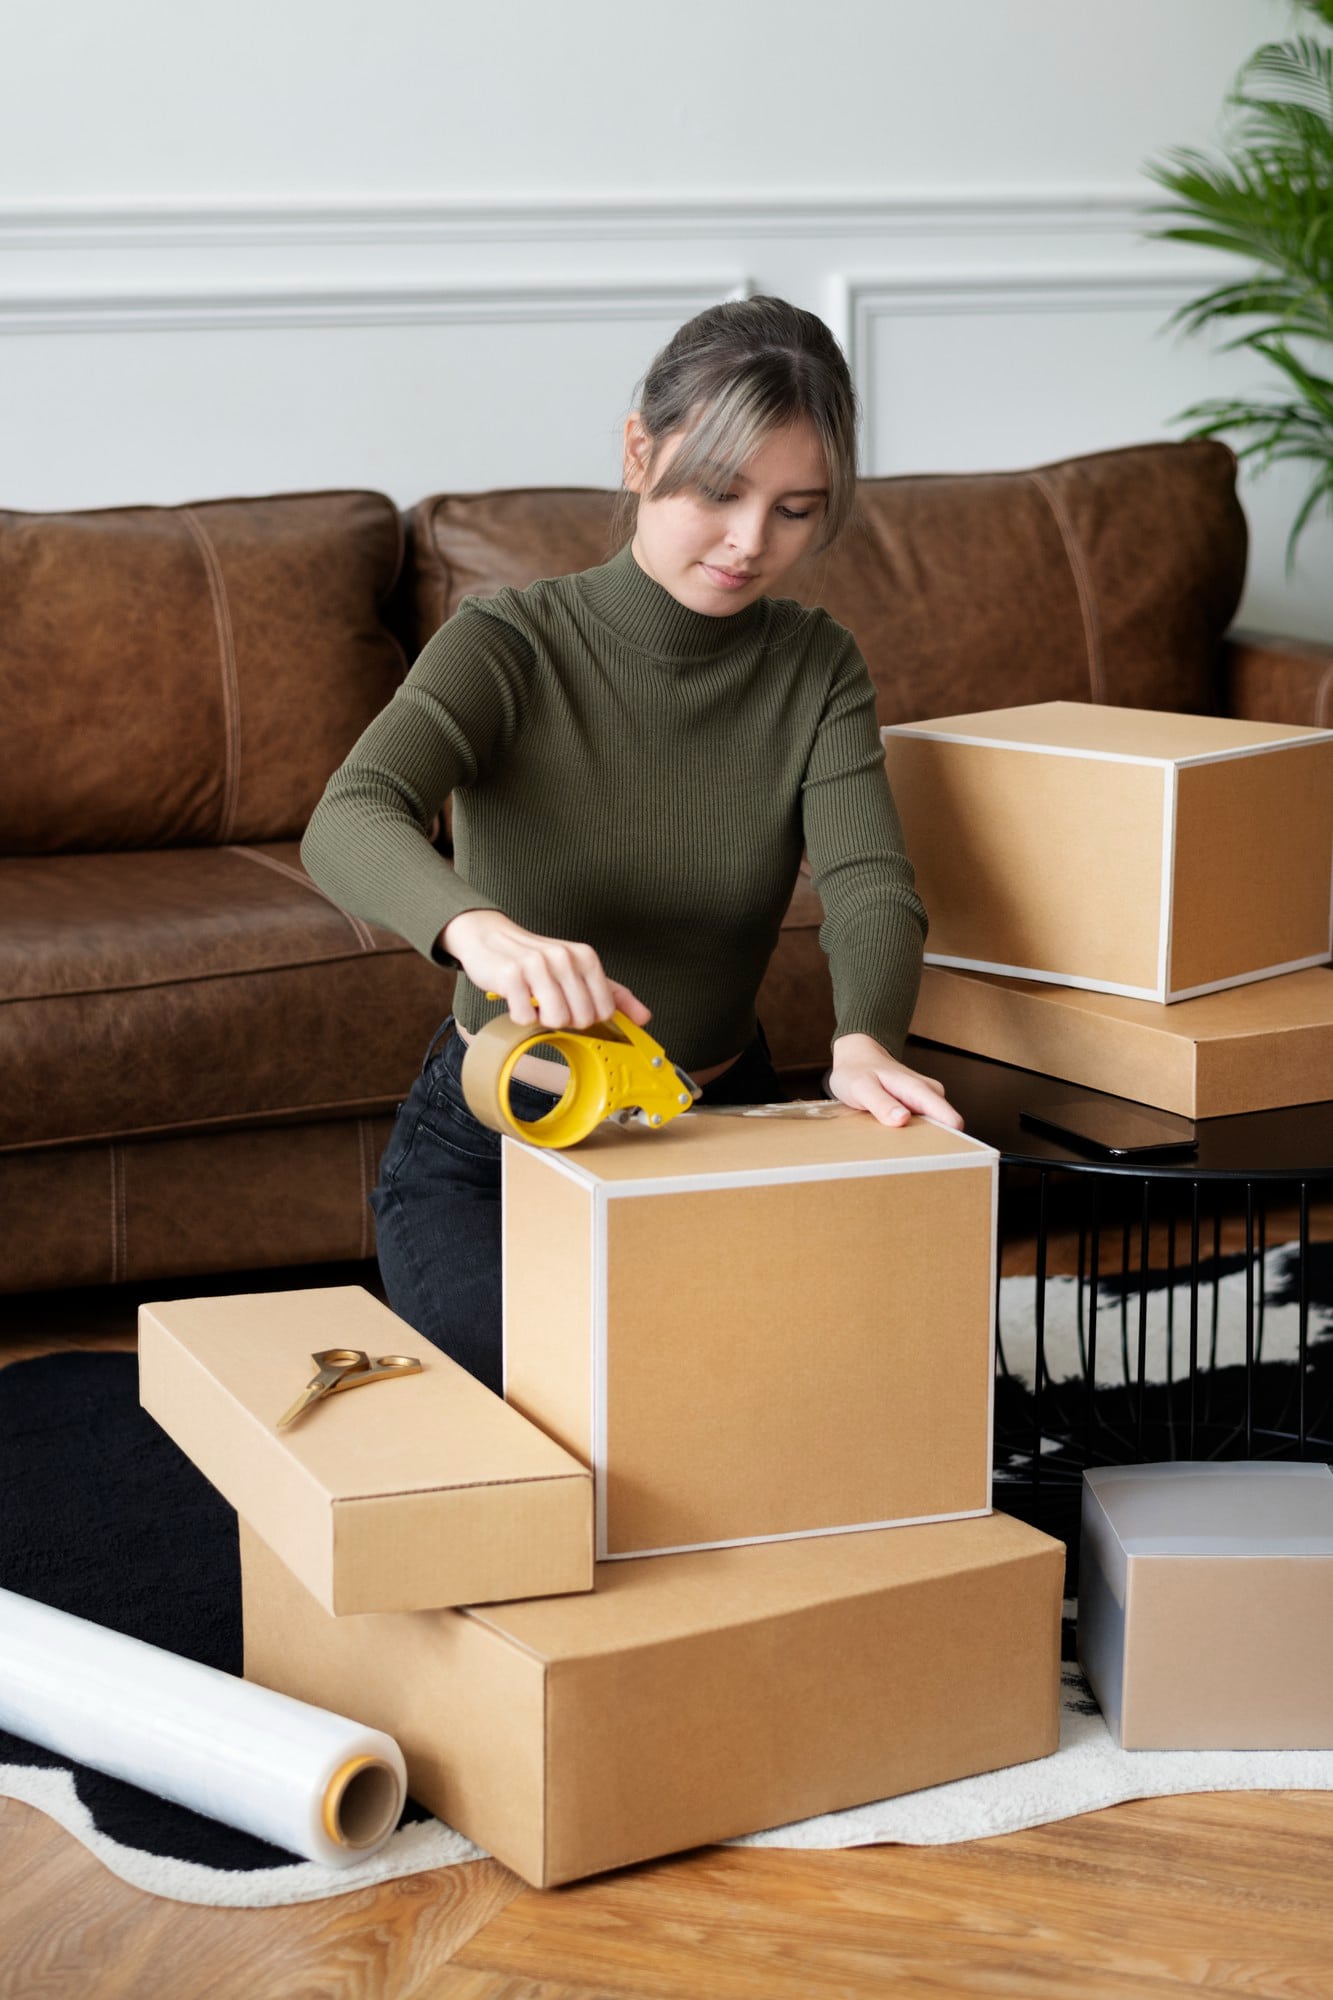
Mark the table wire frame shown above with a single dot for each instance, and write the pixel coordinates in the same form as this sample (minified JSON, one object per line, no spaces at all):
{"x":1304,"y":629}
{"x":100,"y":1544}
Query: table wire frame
{"x":1197,"y":1404}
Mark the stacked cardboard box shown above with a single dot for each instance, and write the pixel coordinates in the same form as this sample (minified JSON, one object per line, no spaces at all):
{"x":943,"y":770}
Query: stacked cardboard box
{"x":1206,"y":1604}
{"x":1128,"y":899}
{"x":771,"y":1340}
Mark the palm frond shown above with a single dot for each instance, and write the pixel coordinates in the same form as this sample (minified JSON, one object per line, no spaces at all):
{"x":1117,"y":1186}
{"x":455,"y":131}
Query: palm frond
{"x":1316,"y":389}
{"x":1302,"y":67}
{"x":1321,"y":489}
{"x":1269,"y":201}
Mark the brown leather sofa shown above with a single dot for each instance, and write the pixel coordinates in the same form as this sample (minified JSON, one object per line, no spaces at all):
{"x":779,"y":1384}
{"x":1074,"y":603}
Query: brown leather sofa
{"x":199,"y":1054}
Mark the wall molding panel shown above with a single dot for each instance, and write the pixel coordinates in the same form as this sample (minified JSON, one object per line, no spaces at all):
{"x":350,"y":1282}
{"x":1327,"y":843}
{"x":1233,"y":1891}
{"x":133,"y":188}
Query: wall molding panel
{"x":202,"y":225}
{"x":223,"y":307}
{"x":861,"y":306}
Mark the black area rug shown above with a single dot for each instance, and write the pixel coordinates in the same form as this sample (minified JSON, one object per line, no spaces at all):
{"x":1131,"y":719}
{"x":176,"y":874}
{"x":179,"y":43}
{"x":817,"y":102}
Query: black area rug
{"x":102,"y":1515}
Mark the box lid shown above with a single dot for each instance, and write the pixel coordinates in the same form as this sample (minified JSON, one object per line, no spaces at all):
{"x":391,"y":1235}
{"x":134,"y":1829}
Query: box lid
{"x":1245,"y":1508}
{"x":1095,"y":729}
{"x":1264,"y":1007}
{"x":440,"y":1428}
{"x":407,"y":1493}
{"x":662,"y":1599}
{"x":717,"y":1148}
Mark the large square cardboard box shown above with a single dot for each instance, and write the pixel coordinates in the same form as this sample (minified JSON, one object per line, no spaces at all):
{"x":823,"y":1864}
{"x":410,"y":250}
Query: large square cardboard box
{"x":757,"y":1326}
{"x":426,"y":1490}
{"x":1246,"y":1048}
{"x":1205,"y":1606}
{"x":1124,"y":849}
{"x":697,"y":1698}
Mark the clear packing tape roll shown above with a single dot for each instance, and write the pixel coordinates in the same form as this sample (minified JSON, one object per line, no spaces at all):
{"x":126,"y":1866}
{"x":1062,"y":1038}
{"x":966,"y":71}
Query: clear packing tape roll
{"x":315,"y":1783}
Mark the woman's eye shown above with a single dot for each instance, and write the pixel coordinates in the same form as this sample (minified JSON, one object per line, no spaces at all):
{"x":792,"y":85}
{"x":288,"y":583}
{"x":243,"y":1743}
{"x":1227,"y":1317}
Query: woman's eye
{"x":791,"y":514}
{"x":712,"y":493}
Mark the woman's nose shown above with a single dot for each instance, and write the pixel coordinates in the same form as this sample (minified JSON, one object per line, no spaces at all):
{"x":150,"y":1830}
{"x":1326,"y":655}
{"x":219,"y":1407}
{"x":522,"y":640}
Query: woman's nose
{"x":745,"y":530}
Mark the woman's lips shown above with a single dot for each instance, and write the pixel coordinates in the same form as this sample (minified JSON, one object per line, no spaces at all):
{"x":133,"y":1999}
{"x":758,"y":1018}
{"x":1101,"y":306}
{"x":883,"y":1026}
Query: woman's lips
{"x":728,"y":579}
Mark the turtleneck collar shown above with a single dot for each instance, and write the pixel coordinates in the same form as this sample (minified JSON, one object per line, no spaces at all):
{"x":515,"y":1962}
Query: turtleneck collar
{"x":647,"y":617}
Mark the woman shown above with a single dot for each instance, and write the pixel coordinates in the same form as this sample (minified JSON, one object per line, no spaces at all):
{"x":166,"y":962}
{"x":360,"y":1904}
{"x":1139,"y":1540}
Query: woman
{"x":637,"y":756}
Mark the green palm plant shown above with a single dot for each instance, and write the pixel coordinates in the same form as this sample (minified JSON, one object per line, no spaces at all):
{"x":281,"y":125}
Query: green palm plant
{"x":1269,"y":199}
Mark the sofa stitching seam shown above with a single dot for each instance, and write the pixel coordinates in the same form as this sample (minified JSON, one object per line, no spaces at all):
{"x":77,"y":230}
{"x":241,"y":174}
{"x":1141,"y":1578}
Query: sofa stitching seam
{"x":364,"y":935}
{"x":277,"y":1117}
{"x":231,"y":693}
{"x":117,"y":1176}
{"x":1086,"y":602}
{"x":199,"y":978}
{"x":363,"y":1149}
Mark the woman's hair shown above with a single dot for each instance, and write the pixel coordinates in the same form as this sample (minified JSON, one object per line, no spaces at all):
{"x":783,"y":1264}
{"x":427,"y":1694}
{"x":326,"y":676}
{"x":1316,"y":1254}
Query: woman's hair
{"x":731,"y":377}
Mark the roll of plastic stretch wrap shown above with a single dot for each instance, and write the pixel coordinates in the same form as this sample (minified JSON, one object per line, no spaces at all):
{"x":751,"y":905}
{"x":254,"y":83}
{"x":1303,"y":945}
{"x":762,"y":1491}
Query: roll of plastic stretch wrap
{"x":314,"y":1783}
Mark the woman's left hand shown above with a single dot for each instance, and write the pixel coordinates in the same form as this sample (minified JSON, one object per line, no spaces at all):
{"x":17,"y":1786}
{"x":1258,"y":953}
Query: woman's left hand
{"x":868,"y":1078}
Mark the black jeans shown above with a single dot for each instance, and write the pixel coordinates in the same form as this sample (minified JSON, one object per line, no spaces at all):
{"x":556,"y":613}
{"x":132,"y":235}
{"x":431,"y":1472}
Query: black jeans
{"x":437,"y":1205}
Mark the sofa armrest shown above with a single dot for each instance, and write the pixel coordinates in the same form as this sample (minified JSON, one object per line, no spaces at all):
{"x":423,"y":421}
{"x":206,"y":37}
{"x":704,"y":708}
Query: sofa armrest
{"x":1271,"y":679}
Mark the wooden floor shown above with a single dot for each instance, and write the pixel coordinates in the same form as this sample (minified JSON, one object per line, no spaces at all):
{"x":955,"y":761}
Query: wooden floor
{"x":1218,"y":1893}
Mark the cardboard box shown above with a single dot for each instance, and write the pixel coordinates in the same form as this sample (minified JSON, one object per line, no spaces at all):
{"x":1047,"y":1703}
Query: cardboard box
{"x":423,"y":1491}
{"x":1247,"y":1048}
{"x":1123,"y":849}
{"x":694,"y":1699}
{"x":1205,"y":1607}
{"x":757,"y":1326}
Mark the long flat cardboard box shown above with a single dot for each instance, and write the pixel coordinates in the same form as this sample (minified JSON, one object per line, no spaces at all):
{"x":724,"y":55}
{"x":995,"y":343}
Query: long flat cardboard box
{"x":1248,"y":1048}
{"x":695,"y":1698}
{"x":1205,"y":1613}
{"x":757,"y":1326}
{"x":1129,"y":850}
{"x":427,"y":1490}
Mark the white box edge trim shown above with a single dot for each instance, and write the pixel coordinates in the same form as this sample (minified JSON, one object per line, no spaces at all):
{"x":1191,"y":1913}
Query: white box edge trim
{"x":801,"y":1534}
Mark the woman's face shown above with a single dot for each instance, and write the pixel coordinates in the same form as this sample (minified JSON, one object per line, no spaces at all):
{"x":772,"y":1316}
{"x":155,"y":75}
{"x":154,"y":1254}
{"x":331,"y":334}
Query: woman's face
{"x":716,"y":552}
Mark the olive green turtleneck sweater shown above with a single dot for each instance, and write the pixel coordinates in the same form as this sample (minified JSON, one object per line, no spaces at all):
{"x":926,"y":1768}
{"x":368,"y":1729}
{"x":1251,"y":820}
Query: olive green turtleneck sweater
{"x":640,"y":777}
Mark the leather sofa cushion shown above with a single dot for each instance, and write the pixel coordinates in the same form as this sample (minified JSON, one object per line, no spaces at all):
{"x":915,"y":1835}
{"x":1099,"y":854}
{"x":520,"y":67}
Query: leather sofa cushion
{"x":246,"y":1200}
{"x":1110,"y":577}
{"x":171,"y":675}
{"x":184,"y":990}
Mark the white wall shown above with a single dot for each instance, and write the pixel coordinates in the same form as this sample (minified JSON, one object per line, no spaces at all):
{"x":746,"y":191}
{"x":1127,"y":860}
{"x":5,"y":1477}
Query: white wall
{"x":426,"y":246}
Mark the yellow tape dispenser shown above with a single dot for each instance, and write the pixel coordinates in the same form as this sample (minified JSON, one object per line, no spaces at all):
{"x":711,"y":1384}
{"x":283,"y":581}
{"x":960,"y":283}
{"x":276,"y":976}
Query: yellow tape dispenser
{"x":616,"y":1072}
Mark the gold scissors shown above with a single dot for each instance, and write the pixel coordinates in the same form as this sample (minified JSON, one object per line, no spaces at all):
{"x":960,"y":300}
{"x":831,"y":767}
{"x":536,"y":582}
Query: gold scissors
{"x":347,"y":1368}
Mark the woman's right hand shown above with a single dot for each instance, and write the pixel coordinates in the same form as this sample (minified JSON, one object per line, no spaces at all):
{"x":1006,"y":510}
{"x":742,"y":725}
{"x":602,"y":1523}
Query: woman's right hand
{"x":567,"y":981}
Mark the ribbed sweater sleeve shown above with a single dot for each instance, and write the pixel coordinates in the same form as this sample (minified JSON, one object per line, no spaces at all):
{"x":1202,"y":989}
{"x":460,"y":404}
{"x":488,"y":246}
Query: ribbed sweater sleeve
{"x":874,"y":925}
{"x":452,"y":718}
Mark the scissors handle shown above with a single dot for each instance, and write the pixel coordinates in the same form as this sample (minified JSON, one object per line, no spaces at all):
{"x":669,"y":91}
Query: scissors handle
{"x":378,"y":1370}
{"x":346,"y":1368}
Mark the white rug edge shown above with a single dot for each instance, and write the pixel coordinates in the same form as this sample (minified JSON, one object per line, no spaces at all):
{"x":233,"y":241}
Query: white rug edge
{"x":411,"y":1851}
{"x":1093,"y":1774}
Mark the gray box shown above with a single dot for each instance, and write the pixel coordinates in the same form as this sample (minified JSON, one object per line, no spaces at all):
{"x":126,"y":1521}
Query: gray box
{"x":1205,"y":1611}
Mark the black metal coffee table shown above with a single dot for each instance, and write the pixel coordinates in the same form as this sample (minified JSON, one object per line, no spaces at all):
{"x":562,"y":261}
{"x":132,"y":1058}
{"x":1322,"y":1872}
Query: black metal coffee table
{"x":1048,"y":1430}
